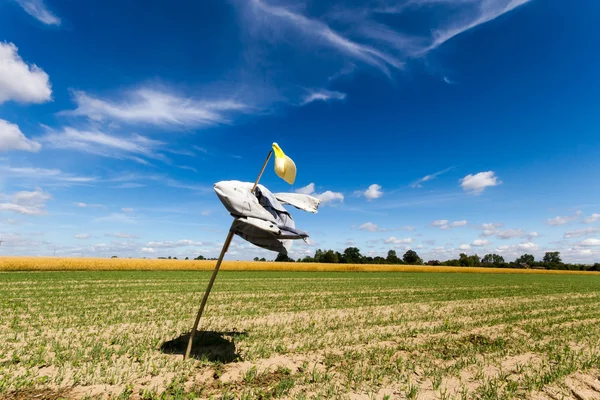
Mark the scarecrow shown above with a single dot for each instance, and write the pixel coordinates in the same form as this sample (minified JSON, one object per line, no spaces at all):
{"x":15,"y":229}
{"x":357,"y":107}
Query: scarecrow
{"x":259,"y":216}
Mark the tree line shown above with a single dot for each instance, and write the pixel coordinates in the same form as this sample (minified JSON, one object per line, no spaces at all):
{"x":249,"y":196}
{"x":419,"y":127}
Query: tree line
{"x":352,"y":255}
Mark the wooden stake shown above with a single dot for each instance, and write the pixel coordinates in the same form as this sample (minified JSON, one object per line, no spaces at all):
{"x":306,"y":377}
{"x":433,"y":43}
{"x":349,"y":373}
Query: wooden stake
{"x":216,"y":270}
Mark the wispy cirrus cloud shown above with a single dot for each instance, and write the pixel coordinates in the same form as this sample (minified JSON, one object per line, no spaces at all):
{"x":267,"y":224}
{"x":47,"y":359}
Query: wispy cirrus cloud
{"x":357,"y":31}
{"x":38,"y":10}
{"x":322,"y":95}
{"x":44,"y":174}
{"x":480,"y":12}
{"x":134,"y":147}
{"x":419,"y":183}
{"x":265,"y":14}
{"x":149,"y":106}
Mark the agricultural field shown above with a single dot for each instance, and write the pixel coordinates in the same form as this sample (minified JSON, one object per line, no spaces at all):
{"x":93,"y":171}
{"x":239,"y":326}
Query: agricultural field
{"x":284,"y":334}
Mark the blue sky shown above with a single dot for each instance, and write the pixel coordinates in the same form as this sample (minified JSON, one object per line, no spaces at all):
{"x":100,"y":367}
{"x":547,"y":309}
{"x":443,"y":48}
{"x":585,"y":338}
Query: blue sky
{"x":442,"y":126}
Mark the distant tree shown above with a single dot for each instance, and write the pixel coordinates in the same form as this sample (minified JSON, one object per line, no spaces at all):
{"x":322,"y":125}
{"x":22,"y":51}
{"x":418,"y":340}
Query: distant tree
{"x":283,"y":258}
{"x":169,"y":257}
{"x":263,"y":259}
{"x":468,"y":261}
{"x":200,"y":257}
{"x":392,"y":257}
{"x":256,"y":258}
{"x":412,"y":258}
{"x":330,"y":256}
{"x":187,"y":258}
{"x":174,"y":258}
{"x":492,"y":259}
{"x":114,"y":257}
{"x":552,"y":257}
{"x":318,"y":255}
{"x":434,"y":262}
{"x":379,"y":260}
{"x":526,"y":259}
{"x":452,"y":263}
{"x":351,"y":256}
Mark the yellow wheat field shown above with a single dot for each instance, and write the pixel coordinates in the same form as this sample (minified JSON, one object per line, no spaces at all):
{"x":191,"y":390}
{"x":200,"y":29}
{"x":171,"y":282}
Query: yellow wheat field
{"x":133,"y":264}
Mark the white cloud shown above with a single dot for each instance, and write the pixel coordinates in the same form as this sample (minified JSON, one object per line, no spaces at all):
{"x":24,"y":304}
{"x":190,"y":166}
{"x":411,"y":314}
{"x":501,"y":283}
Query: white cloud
{"x":27,"y":203}
{"x":156,"y":107}
{"x":419,"y":183}
{"x":464,"y":246}
{"x":81,"y":204}
{"x":38,"y":10}
{"x":127,"y":209}
{"x":556,"y":221}
{"x":480,"y":242}
{"x":44,"y":174}
{"x":458,"y":223}
{"x":444,"y":224}
{"x":329,"y":197}
{"x":367,"y":38}
{"x":591,"y":219}
{"x":323,"y":95}
{"x":308,"y":189}
{"x":369,"y":227}
{"x":491,"y":226}
{"x":484,"y":12}
{"x":591,"y":242}
{"x":510,"y":233}
{"x":170,"y":244}
{"x":19,"y":81}
{"x":266,"y":14}
{"x":325,"y":197}
{"x":83,"y":236}
{"x":476,"y":184}
{"x":149,"y":250}
{"x":116,"y":218}
{"x":121,"y":235}
{"x":394,"y":240}
{"x":527,"y":246}
{"x":580,"y":232}
{"x":373,"y":192}
{"x":491,"y":229}
{"x":11,"y":137}
{"x":102,"y":144}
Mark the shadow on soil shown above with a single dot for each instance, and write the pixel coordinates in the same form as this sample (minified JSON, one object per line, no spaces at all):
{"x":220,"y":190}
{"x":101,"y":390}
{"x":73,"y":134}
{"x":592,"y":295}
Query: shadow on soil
{"x":208,"y":345}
